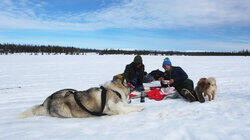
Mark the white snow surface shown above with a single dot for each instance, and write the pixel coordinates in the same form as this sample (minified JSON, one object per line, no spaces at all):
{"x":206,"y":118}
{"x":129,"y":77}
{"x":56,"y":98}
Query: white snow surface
{"x":27,"y":80}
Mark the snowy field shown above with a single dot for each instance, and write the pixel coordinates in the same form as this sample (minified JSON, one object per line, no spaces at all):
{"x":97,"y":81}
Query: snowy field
{"x":26,"y":80}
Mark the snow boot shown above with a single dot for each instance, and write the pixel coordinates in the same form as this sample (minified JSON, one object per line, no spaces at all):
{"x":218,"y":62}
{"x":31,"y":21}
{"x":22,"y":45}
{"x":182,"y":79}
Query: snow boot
{"x":188,"y":95}
{"x":198,"y":91}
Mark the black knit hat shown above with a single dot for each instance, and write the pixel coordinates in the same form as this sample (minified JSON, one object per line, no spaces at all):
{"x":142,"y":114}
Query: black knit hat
{"x":138,"y":59}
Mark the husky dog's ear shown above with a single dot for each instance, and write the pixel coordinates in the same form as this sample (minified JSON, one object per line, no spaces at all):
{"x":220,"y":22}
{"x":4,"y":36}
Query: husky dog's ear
{"x":115,"y":78}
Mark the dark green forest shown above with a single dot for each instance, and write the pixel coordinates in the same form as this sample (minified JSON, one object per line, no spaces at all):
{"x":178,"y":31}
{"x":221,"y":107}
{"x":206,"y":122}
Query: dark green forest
{"x":6,"y":49}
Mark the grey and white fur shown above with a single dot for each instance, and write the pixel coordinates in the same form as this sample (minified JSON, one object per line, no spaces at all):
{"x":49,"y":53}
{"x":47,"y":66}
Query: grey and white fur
{"x":63,"y":105}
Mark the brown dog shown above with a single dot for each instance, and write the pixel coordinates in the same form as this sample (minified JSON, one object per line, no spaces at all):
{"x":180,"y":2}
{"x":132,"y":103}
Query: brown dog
{"x":208,"y":86}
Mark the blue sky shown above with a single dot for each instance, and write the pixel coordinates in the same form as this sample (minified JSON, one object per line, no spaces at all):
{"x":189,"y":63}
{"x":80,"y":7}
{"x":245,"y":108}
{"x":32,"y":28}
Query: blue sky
{"x":183,"y":25}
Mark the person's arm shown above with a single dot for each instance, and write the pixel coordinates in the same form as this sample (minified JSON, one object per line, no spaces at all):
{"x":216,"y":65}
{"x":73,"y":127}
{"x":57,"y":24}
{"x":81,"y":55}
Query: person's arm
{"x":141,"y":76}
{"x":163,"y":79}
{"x":126,"y":74}
{"x":181,"y":76}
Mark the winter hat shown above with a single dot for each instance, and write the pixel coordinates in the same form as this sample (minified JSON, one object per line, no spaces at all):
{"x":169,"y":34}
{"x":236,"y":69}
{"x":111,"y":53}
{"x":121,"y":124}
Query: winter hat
{"x":166,"y":62}
{"x":138,"y":59}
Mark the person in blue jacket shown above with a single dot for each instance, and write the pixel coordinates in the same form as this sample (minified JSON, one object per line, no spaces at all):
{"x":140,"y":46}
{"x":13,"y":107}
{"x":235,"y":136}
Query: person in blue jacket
{"x":177,"y":77}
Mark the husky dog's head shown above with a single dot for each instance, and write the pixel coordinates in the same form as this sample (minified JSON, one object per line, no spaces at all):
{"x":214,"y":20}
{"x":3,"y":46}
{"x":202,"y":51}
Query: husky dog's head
{"x":120,"y":80}
{"x":120,"y":85}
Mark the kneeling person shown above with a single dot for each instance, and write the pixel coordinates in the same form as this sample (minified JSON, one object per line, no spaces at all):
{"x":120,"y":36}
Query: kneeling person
{"x":179,"y":79}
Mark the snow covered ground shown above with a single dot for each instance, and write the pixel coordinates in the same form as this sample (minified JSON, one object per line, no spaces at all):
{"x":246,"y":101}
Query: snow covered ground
{"x":26,"y":80}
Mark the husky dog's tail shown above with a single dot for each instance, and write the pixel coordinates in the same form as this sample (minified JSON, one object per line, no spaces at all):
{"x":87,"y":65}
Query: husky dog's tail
{"x":37,"y":110}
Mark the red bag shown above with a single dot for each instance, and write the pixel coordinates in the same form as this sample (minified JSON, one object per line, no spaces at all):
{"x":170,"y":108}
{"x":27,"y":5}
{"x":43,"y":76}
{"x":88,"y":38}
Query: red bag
{"x":155,"y":94}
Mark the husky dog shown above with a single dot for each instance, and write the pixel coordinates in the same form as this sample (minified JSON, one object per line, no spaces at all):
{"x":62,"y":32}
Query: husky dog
{"x":110,"y":99}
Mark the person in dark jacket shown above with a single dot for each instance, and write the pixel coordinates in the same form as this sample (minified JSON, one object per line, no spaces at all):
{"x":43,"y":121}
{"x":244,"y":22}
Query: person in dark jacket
{"x":135,"y":75}
{"x":175,"y":76}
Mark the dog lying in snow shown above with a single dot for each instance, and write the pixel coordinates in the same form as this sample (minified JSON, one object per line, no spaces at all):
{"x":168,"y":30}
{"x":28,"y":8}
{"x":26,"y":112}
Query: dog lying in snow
{"x":208,"y":86}
{"x":109,"y":99}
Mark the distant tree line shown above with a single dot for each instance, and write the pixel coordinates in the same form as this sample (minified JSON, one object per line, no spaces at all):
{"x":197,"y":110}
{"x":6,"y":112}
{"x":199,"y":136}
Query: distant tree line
{"x":42,"y":49}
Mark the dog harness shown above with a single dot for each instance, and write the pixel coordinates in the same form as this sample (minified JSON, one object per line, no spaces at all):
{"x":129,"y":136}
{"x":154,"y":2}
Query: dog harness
{"x":103,"y":102}
{"x":117,"y":93}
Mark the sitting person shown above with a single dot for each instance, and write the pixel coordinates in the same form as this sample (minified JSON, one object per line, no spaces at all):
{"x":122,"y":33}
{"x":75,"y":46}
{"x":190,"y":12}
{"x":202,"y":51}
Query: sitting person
{"x":135,"y":75}
{"x":175,"y":76}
